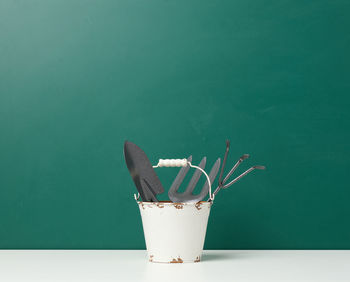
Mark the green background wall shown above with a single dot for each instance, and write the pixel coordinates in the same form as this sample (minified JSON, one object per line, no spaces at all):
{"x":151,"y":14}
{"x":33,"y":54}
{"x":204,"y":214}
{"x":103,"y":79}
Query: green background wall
{"x":79,"y":77}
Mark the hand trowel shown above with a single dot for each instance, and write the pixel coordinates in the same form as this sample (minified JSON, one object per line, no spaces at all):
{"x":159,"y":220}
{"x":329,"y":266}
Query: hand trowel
{"x":142,"y":172}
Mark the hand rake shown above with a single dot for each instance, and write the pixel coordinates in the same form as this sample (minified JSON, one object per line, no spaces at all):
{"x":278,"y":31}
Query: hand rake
{"x":222,"y":183}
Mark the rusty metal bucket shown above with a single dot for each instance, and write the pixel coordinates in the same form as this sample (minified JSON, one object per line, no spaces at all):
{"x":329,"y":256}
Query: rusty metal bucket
{"x":174,"y":232}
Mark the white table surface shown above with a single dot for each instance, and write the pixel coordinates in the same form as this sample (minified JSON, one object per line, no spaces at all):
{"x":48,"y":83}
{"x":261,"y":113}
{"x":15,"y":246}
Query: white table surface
{"x":69,"y":265}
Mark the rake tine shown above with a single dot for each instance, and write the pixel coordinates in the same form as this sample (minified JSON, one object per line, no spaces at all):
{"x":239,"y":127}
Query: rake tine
{"x":180,"y":177}
{"x":241,"y":159}
{"x":243,"y":174}
{"x":212,"y":175}
{"x":196,"y":198}
{"x":195,"y":177}
{"x":220,"y":182}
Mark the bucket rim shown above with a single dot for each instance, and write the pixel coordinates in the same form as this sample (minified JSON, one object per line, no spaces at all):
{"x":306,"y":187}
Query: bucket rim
{"x":169,"y":203}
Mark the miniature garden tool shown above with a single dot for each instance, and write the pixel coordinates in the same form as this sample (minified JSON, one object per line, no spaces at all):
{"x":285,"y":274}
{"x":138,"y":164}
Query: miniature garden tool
{"x":142,"y":173}
{"x":187,"y":196}
{"x":181,"y":175}
{"x":221,"y":183}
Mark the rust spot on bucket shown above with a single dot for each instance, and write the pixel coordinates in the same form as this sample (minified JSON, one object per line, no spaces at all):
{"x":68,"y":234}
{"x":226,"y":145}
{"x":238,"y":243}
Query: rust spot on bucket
{"x":151,"y":258}
{"x":178,"y":206}
{"x":142,"y":205}
{"x":159,"y":205}
{"x":178,"y":260}
{"x":198,"y":206}
{"x":198,"y":259}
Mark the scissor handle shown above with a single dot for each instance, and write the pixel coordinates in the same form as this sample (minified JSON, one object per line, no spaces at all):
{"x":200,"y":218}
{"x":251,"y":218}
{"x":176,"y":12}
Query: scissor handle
{"x":183,"y":163}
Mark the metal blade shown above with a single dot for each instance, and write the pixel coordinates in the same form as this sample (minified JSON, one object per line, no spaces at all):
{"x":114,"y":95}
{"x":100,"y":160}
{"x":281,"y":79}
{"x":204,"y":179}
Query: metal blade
{"x":140,"y":168}
{"x":212,"y":175}
{"x":150,"y":195}
{"x":197,"y":174}
{"x":180,"y":177}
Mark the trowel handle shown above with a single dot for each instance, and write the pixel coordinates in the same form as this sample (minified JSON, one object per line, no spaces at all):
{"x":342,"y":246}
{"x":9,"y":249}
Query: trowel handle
{"x":184,"y":162}
{"x":171,"y":163}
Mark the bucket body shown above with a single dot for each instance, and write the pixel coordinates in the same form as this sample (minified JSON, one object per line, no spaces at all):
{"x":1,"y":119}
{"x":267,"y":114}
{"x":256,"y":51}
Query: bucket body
{"x":174,"y":232}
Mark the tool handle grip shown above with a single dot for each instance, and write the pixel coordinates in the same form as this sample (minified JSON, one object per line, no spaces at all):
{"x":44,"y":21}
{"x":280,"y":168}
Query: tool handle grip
{"x":172,"y":162}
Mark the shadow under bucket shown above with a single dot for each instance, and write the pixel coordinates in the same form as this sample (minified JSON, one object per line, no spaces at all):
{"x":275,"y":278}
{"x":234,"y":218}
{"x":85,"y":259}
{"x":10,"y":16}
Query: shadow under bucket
{"x":174,"y":232}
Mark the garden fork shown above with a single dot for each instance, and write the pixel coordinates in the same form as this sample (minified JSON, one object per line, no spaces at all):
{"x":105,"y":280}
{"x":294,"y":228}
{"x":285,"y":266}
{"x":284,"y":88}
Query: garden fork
{"x":187,"y":196}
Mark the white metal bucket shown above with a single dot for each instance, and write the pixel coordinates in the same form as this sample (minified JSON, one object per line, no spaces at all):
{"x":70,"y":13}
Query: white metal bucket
{"x":174,"y":232}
